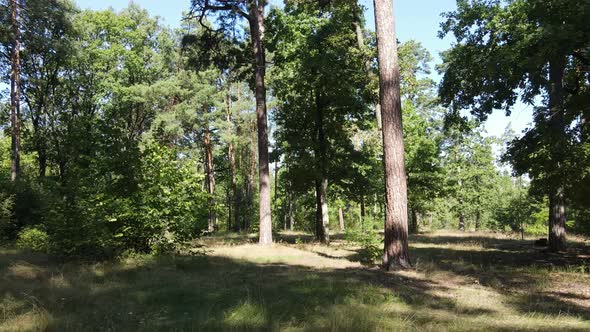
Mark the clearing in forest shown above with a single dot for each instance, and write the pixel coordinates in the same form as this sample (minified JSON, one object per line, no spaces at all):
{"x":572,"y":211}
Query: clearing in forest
{"x":461,"y":281}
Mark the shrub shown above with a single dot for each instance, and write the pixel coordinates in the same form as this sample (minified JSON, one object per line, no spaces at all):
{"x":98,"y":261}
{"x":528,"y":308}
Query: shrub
{"x":6,"y":206}
{"x":33,"y":239}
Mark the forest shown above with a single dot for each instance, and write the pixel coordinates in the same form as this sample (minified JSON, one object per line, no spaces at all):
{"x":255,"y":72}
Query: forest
{"x":293,"y":165}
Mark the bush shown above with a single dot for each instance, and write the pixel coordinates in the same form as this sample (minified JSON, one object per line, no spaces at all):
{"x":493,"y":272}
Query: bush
{"x":370,"y":242}
{"x":6,"y":206}
{"x":33,"y":239}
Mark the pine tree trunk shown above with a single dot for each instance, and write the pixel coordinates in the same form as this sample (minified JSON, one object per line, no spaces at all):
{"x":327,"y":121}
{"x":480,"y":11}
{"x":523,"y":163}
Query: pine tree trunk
{"x":396,"y":253}
{"x":257,"y":32}
{"x":232,"y":165}
{"x":251,"y":175}
{"x":557,"y":217}
{"x":15,"y":95}
{"x":209,"y":170}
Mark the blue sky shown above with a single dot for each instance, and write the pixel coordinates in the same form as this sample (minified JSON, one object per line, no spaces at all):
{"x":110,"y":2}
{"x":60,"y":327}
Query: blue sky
{"x":417,"y":19}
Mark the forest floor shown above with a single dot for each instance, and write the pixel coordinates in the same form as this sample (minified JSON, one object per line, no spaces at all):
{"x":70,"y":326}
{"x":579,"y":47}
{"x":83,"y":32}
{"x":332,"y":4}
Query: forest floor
{"x":461,"y":282}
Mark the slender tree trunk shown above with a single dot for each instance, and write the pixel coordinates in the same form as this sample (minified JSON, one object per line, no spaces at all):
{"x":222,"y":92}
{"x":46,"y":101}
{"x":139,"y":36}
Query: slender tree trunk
{"x":39,"y":141}
{"x":234,"y":185}
{"x":360,"y":39}
{"x":396,"y":252}
{"x":232,"y":165}
{"x":251,"y":175}
{"x":257,"y":32}
{"x":557,"y":217}
{"x":375,"y":206}
{"x":209,"y":170}
{"x":414,"y":221}
{"x":291,"y":216}
{"x":321,"y":232}
{"x":285,"y":216}
{"x":15,"y":95}
{"x":477,"y":220}
{"x":276,"y":178}
{"x":459,"y":190}
{"x":341,"y":219}
{"x":362,"y":213}
{"x":322,"y":220}
{"x":229,"y":211}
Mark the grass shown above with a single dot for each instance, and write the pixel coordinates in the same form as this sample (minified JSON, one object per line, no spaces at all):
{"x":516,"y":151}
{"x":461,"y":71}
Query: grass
{"x":461,"y":282}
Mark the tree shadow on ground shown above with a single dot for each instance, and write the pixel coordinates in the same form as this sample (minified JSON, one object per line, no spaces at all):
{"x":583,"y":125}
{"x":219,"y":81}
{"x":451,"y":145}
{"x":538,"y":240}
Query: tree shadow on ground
{"x":185,"y":293}
{"x":212,"y":293}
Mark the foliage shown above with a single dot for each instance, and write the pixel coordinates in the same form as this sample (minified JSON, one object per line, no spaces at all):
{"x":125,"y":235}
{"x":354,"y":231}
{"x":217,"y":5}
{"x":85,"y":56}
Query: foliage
{"x":532,"y":51}
{"x":33,"y":239}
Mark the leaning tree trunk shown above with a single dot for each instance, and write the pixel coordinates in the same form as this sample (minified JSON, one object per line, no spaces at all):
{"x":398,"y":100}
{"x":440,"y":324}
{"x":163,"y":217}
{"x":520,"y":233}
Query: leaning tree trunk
{"x":15,"y":95}
{"x":557,"y":217}
{"x":396,"y":253}
{"x":257,"y":32}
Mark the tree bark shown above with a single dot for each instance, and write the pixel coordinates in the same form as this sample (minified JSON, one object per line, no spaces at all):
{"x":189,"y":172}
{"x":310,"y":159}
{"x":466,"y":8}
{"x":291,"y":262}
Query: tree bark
{"x":557,"y":217}
{"x":461,"y":222}
{"x":251,"y":175}
{"x":15,"y":95}
{"x":414,"y":221}
{"x":395,"y":252}
{"x":362,"y":212}
{"x":291,"y":216}
{"x":256,"y":9}
{"x":209,"y":170}
{"x":341,"y":219}
{"x":321,"y":232}
{"x":276,"y":178}
{"x":38,"y":140}
{"x":232,"y":164}
{"x":322,"y":219}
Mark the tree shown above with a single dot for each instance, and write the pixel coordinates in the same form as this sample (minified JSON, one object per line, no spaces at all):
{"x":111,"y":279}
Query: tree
{"x":508,"y":50}
{"x":47,"y":36}
{"x":396,"y":252}
{"x":15,"y":91}
{"x":253,"y":12}
{"x":319,"y":80}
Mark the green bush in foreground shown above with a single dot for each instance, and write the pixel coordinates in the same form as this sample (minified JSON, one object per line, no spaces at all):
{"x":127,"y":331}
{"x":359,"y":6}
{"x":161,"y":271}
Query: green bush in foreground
{"x":33,"y":239}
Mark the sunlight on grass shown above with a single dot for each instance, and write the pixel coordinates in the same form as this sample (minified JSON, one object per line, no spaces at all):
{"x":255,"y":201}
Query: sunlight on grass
{"x":246,"y":315}
{"x":457,"y":285}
